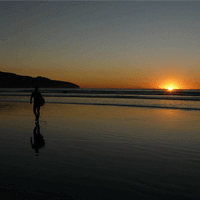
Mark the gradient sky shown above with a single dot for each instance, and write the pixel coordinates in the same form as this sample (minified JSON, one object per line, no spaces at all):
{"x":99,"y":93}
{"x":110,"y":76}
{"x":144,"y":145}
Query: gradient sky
{"x":103,"y":44}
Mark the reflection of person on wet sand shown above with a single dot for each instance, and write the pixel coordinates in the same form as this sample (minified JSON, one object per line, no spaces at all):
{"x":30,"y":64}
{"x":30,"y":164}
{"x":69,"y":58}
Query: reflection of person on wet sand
{"x":37,"y":100}
{"x":38,"y":139}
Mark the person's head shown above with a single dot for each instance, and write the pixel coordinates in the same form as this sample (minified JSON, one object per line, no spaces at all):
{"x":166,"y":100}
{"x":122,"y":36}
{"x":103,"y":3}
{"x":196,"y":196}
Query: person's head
{"x":36,"y":89}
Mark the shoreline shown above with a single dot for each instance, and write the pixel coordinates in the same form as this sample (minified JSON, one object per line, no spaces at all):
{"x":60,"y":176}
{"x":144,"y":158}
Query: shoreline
{"x":110,"y":104}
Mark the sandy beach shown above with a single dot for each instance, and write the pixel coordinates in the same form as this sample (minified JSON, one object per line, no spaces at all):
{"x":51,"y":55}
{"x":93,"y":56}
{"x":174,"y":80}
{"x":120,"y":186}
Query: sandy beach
{"x":99,"y":152}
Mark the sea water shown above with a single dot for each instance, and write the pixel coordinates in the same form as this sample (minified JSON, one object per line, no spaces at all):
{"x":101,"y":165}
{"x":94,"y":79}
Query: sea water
{"x":116,"y":150}
{"x":176,"y":99}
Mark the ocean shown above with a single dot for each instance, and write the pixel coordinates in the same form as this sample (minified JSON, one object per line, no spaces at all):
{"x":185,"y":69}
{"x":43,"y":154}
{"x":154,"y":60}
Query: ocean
{"x":100,"y":144}
{"x":176,"y":99}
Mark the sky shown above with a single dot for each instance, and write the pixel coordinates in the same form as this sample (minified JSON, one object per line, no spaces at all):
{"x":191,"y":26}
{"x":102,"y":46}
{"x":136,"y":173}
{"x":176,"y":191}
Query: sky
{"x":103,"y":44}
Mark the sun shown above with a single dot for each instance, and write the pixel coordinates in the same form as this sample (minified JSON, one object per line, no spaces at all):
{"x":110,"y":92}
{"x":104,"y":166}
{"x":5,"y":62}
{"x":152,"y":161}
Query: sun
{"x":170,"y":85}
{"x":170,"y":88}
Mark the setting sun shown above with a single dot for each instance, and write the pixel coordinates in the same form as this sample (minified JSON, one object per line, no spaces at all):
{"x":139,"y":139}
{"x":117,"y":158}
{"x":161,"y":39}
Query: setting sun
{"x":170,"y":88}
{"x":170,"y":84}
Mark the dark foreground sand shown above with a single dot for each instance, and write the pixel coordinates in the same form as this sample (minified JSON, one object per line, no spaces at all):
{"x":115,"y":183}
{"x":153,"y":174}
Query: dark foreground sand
{"x":99,"y":152}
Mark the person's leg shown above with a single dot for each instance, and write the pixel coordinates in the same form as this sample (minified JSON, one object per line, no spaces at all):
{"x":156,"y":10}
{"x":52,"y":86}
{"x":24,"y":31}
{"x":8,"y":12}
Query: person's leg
{"x":34,"y":111}
{"x":38,"y":112}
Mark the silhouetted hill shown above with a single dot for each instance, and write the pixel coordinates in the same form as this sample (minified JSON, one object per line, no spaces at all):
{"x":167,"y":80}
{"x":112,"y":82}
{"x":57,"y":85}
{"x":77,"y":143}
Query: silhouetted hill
{"x":10,"y":80}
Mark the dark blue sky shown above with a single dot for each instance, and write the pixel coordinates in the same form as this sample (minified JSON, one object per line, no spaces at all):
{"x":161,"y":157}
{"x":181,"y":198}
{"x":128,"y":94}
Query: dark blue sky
{"x":103,"y":44}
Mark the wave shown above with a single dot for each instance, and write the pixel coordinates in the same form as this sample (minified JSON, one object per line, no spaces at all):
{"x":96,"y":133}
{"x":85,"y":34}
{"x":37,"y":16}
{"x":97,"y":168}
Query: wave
{"x":178,"y":99}
{"x":175,"y":92}
{"x":182,"y":98}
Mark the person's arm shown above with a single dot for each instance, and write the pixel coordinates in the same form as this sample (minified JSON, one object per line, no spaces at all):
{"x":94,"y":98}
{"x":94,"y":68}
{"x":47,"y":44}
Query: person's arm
{"x":31,"y":98}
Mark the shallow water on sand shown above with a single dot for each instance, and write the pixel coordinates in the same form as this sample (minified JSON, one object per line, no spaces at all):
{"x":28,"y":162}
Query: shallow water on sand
{"x":100,"y":152}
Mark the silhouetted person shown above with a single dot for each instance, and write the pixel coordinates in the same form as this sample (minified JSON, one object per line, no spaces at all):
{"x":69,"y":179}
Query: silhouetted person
{"x":37,"y":100}
{"x":38,"y":139}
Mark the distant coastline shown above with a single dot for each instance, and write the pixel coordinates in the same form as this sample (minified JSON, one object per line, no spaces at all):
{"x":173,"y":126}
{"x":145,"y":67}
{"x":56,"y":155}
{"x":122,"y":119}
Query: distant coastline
{"x":11,"y":80}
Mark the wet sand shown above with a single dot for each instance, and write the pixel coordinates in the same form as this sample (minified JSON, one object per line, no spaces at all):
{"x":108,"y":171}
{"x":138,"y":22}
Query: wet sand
{"x":99,"y":152}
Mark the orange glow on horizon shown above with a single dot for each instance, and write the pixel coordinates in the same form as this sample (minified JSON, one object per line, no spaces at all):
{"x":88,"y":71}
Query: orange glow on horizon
{"x":167,"y":82}
{"x":171,"y":84}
